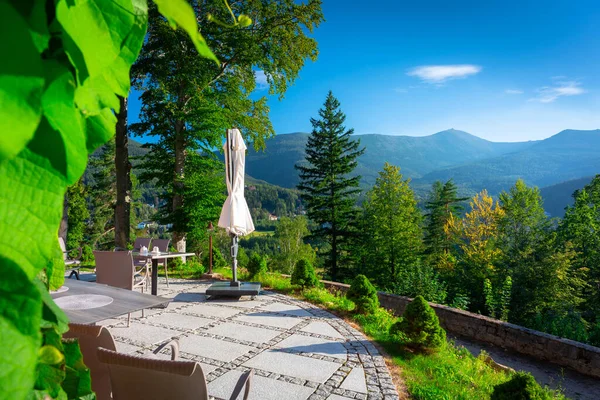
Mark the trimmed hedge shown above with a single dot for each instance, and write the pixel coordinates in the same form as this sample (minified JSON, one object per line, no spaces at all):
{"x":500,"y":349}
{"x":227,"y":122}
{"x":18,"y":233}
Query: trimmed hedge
{"x":522,"y":386}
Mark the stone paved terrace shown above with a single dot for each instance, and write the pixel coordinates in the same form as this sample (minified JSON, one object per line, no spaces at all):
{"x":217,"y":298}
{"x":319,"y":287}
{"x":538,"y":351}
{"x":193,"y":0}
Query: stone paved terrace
{"x":297,"y":350}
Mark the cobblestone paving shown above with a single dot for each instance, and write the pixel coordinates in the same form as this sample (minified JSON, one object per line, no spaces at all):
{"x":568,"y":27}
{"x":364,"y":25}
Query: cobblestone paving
{"x":297,"y":350}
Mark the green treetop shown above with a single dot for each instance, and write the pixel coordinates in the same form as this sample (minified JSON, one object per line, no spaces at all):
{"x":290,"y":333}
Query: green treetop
{"x":326,"y":184}
{"x":394,"y":221}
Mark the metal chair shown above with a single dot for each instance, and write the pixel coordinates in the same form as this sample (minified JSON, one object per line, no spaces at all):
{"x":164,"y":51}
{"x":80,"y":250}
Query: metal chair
{"x":72,"y":263}
{"x":163,"y":246}
{"x":134,"y":377}
{"x":116,"y":268}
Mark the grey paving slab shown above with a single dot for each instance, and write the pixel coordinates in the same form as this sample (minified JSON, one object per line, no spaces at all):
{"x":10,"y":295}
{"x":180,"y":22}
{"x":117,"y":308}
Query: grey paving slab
{"x":244,"y":332}
{"x":180,"y":321}
{"x":212,"y":348}
{"x":286,"y":309}
{"x":211,"y":311}
{"x":293,"y":365}
{"x":243,"y":302}
{"x":307,"y":344}
{"x":322,"y":328}
{"x":126,"y":347}
{"x":269,"y":319}
{"x":338,"y":397}
{"x":146,"y":334}
{"x":355,"y":381}
{"x":261,"y":388}
{"x":186,"y":297}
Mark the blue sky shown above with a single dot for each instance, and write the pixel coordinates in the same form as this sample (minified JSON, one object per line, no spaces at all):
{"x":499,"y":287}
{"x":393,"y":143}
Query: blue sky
{"x":502,"y":70}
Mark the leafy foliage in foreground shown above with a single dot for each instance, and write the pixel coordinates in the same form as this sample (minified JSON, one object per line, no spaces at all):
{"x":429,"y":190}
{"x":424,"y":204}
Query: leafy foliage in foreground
{"x":64,"y":65}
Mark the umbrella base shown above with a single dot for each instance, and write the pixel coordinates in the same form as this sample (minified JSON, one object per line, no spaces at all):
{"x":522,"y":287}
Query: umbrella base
{"x":226,"y":289}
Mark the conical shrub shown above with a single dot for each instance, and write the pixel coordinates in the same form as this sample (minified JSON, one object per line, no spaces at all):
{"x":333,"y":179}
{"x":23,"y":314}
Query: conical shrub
{"x":304,"y":274}
{"x":420,"y":327}
{"x":363,"y":294}
{"x":522,"y":386}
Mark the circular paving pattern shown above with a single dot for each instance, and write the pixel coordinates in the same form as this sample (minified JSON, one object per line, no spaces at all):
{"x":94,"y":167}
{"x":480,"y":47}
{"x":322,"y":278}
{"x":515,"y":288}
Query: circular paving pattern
{"x":297,"y":350}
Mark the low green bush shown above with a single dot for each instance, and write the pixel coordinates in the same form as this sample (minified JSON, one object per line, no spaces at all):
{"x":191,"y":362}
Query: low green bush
{"x":304,"y":274}
{"x":419,"y":327}
{"x":218,"y":259}
{"x":257,"y":265}
{"x":87,"y":254}
{"x":363,"y":294}
{"x":522,"y":386}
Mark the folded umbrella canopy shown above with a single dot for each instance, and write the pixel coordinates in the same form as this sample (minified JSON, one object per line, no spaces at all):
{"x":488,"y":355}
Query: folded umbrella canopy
{"x":235,"y":215}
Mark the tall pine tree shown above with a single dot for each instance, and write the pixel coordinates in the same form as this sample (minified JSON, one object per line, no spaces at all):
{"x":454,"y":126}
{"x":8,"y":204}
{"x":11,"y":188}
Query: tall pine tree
{"x":328,"y":189}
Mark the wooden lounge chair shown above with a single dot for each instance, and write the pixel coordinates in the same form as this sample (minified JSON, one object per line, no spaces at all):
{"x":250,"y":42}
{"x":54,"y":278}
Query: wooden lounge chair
{"x":134,"y":377}
{"x":115,"y":268}
{"x":71,"y":265}
{"x":92,"y":337}
{"x":163,"y":246}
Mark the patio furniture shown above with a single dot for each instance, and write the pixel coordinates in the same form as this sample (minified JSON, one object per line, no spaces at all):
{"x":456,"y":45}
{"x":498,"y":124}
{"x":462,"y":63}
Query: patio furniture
{"x":124,"y":301}
{"x":163,"y":246}
{"x":155,"y":258}
{"x":116,"y":268}
{"x":92,"y":337}
{"x":139,"y":242}
{"x":72,"y":263}
{"x":134,"y":377}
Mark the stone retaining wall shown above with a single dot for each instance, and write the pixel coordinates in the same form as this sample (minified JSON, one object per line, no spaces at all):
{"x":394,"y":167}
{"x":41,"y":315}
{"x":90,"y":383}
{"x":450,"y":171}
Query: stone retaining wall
{"x":578,"y":356}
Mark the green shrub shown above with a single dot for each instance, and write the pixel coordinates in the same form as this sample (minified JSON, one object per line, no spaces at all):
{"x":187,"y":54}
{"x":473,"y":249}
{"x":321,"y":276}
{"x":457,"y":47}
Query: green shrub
{"x":218,"y":259}
{"x":522,"y":386}
{"x":363,"y":294}
{"x":257,"y":264}
{"x":420,"y":328}
{"x":304,"y":274}
{"x":87,"y":254}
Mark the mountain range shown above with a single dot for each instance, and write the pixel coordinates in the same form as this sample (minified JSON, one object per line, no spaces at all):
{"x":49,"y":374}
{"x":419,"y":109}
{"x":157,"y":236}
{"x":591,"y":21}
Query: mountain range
{"x":558,"y":165}
{"x":474,"y":163}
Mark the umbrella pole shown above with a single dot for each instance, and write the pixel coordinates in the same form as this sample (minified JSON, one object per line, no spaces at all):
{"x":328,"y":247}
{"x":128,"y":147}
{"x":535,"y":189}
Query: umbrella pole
{"x":234,"y":250}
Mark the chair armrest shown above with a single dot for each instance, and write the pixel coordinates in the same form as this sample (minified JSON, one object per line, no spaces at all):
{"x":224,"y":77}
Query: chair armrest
{"x":245,"y":380}
{"x":174,"y":349}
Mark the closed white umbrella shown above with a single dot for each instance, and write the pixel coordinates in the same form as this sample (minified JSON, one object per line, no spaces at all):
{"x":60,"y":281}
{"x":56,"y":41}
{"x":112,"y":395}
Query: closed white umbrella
{"x":235,"y":215}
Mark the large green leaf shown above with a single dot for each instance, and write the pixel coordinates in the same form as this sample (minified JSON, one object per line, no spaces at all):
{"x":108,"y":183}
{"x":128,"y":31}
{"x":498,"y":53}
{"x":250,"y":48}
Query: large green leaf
{"x":97,"y":28}
{"x":100,"y":128}
{"x":58,"y":104}
{"x":20,"y":338}
{"x":30,"y":210}
{"x":21,"y":83}
{"x":78,"y":382}
{"x":34,"y":12}
{"x":179,"y":12}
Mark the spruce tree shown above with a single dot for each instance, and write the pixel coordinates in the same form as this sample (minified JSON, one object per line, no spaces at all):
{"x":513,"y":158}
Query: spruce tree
{"x":442,"y":203}
{"x":327,"y":187}
{"x":102,"y":197}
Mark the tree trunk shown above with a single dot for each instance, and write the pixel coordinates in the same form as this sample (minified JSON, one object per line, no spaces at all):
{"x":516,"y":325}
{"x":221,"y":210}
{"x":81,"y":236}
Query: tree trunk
{"x":123,"y":168}
{"x":64,"y":222}
{"x":178,"y":235}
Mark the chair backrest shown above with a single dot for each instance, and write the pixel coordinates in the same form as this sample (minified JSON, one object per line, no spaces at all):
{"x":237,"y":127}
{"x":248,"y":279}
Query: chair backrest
{"x":135,"y":377}
{"x":90,"y":338}
{"x":162,"y":244}
{"x":139,"y":242}
{"x":63,"y":247}
{"x":114,"y":268}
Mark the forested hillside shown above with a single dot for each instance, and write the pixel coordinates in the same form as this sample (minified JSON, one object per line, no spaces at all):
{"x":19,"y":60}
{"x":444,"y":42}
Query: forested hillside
{"x":557,"y":197}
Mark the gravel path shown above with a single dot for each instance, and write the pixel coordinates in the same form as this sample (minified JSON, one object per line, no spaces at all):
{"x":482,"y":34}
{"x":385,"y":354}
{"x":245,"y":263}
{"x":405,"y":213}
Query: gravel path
{"x":574,"y":385}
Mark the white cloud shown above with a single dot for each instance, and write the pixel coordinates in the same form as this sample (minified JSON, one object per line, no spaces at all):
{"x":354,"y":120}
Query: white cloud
{"x":440,"y":73}
{"x":548,"y":94}
{"x":513,"y":91}
{"x":261,"y":80}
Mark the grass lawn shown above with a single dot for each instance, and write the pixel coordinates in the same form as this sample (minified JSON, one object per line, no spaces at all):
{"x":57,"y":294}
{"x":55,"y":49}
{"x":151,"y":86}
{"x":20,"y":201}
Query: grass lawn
{"x":450,"y":374}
